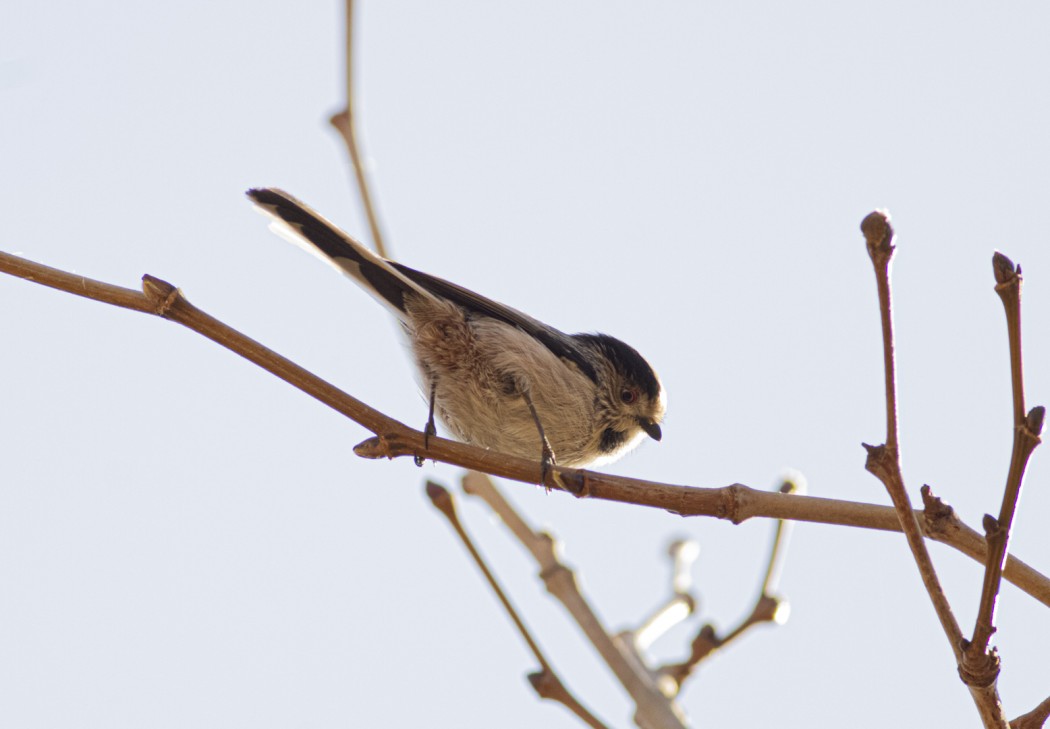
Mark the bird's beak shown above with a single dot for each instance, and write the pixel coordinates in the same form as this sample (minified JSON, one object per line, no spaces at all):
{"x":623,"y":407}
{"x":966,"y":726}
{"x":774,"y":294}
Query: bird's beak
{"x":651,"y":428}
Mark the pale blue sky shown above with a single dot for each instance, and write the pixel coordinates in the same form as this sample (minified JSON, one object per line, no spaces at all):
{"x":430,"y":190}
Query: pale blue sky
{"x":187,"y":541}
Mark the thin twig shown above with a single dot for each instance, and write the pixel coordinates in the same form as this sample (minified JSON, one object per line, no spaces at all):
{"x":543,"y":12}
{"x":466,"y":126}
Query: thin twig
{"x":878,"y":235}
{"x":1008,"y":281}
{"x":345,"y":122}
{"x":545,"y":682}
{"x":736,"y":503}
{"x":653,"y":708}
{"x":884,"y":466}
{"x":778,"y":550}
{"x":884,"y":462}
{"x":981,"y":665}
{"x":768,"y":607}
{"x":74,"y":284}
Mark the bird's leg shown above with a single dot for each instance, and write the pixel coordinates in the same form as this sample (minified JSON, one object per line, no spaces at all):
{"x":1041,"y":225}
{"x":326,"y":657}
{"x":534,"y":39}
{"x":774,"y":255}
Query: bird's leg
{"x":430,"y":429}
{"x":547,"y":453}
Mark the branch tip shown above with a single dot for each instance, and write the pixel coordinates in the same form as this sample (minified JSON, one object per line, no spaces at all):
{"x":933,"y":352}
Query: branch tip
{"x":878,"y":233}
{"x":1004,"y":269}
{"x":374,"y":448}
{"x":441,"y":499}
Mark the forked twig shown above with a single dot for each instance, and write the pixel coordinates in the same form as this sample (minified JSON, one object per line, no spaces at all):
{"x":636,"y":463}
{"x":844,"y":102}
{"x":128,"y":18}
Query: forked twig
{"x":981,"y":664}
{"x":884,"y":462}
{"x":768,"y":607}
{"x":653,"y":708}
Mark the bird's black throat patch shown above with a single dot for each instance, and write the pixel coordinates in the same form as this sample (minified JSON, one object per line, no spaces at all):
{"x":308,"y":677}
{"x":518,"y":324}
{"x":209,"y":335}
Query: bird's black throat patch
{"x":611,"y":440}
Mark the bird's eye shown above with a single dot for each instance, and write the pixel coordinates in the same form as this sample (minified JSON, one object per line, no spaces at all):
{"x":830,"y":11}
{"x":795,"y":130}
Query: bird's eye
{"x":628,"y":395}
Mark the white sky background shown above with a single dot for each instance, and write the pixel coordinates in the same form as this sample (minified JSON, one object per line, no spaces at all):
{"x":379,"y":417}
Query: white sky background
{"x":187,"y":541}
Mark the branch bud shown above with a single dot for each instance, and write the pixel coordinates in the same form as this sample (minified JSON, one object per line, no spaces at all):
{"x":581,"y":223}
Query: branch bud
{"x":878,"y":233}
{"x":441,"y":499}
{"x":1034,"y":421}
{"x":1004,"y":268}
{"x":991,"y":526}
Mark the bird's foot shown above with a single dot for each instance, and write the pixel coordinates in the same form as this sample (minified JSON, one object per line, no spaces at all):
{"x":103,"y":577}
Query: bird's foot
{"x":428,"y":431}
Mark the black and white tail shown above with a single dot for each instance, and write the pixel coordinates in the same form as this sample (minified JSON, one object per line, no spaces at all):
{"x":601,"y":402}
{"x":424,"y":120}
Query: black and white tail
{"x":297,"y":223}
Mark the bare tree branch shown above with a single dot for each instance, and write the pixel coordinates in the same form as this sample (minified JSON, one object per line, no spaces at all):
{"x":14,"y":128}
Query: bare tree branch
{"x":653,"y":708}
{"x":74,"y":284}
{"x":884,"y":462}
{"x":345,"y":122}
{"x":981,"y":664}
{"x":768,"y":607}
{"x":778,"y":550}
{"x":735,"y":503}
{"x":545,"y":682}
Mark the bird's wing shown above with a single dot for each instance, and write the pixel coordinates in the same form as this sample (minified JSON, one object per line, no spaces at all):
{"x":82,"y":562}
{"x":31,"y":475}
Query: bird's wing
{"x":558,"y":342}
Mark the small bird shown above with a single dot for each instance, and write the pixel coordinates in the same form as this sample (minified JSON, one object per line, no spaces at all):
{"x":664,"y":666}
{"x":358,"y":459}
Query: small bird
{"x":496,"y":377}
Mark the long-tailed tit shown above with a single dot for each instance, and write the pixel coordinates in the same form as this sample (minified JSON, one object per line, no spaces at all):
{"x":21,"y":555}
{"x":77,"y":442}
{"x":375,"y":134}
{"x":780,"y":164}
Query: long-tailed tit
{"x":496,"y":377}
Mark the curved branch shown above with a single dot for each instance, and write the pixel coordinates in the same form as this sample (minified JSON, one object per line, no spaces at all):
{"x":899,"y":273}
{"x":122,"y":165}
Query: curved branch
{"x":735,"y":503}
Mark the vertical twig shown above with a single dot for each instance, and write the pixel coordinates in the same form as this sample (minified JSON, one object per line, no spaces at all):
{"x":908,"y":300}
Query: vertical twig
{"x":884,"y":462}
{"x":345,"y":122}
{"x":878,"y":235}
{"x":778,"y":550}
{"x":981,"y":665}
